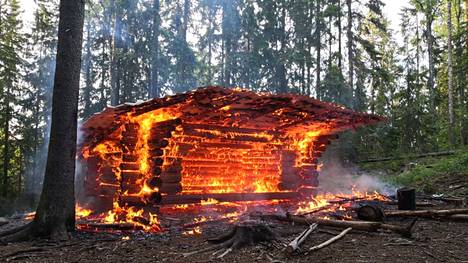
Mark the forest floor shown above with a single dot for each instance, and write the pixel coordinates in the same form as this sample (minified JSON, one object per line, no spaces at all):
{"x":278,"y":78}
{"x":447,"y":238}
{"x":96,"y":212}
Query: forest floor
{"x":432,"y":240}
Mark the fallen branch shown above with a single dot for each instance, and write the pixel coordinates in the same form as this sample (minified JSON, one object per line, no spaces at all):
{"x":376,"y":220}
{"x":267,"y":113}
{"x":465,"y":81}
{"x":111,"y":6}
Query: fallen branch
{"x":425,"y":213}
{"x":294,"y":245}
{"x":114,"y":226}
{"x":357,"y":225}
{"x":331,"y":240}
{"x":458,"y":217}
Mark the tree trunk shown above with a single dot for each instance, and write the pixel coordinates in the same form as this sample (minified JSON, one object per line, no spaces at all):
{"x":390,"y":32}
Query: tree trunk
{"x":430,"y":57}
{"x":350,"y":47}
{"x":55,"y":214}
{"x":88,"y":80}
{"x":339,"y":38}
{"x":318,"y":26}
{"x":155,"y":91}
{"x":116,"y":56}
{"x":6,"y":140}
{"x":464,"y":102}
{"x":451,"y":127}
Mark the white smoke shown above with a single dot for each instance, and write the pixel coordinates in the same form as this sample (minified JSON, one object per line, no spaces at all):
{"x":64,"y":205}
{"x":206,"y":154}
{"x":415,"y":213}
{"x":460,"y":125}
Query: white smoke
{"x":342,"y":177}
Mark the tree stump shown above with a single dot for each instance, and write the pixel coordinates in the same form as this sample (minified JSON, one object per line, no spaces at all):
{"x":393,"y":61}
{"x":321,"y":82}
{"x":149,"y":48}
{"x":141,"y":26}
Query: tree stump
{"x":242,"y":234}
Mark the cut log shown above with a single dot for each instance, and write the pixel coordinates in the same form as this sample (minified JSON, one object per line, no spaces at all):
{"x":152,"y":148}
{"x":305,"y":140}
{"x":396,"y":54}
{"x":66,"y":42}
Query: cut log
{"x":406,"y":198}
{"x":171,"y":177}
{"x":227,"y":197}
{"x":227,"y":129}
{"x":158,"y":144}
{"x":155,"y":181}
{"x":425,"y":213}
{"x":130,"y":166}
{"x":226,"y":145}
{"x":156,"y":170}
{"x":156,"y":152}
{"x":157,"y":161}
{"x":172,"y":169}
{"x":129,"y":158}
{"x":160,"y":134}
{"x":168,"y":123}
{"x":170,"y":188}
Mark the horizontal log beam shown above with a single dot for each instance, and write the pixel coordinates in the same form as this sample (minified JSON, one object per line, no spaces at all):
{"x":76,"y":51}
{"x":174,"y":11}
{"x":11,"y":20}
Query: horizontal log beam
{"x":227,"y":197}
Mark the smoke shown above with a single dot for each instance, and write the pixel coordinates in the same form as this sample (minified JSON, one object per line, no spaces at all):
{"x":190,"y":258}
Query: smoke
{"x":338,"y":176}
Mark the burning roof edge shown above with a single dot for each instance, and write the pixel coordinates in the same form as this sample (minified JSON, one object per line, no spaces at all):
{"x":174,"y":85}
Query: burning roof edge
{"x":202,"y":97}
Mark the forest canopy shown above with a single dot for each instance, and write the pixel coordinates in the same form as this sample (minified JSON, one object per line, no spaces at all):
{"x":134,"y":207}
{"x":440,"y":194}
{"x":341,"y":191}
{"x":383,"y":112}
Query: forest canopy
{"x":340,"y":51}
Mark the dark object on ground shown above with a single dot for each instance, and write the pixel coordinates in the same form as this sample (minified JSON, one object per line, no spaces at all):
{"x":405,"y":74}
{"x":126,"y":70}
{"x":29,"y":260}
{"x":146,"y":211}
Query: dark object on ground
{"x":371,"y":211}
{"x":406,"y":198}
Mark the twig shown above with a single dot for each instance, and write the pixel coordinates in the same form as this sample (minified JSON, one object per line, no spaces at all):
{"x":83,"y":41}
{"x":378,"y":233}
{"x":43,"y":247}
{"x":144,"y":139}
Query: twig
{"x":294,"y":245}
{"x":331,"y":240}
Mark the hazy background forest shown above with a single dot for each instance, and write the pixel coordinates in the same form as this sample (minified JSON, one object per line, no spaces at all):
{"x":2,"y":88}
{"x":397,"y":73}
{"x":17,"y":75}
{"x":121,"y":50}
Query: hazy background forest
{"x":341,"y":51}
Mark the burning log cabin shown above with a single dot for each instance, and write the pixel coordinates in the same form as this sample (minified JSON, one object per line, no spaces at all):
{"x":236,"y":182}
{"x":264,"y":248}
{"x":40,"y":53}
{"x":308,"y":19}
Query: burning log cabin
{"x":214,"y":142}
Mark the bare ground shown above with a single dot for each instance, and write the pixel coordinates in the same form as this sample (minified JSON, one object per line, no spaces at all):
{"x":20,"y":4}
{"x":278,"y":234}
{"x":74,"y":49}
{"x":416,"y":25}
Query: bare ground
{"x":432,"y":241}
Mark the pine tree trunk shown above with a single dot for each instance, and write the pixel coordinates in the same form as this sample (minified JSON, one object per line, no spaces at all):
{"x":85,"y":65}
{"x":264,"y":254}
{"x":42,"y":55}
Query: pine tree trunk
{"x":116,"y":60}
{"x":340,"y":57}
{"x":88,"y":80}
{"x":154,"y":85}
{"x":6,"y":140}
{"x":350,"y":47}
{"x":430,"y":58}
{"x":318,"y":39}
{"x":451,"y":127}
{"x":55,"y":215}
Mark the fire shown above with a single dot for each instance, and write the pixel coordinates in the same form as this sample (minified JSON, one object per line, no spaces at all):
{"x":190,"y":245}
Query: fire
{"x":195,"y":231}
{"x":82,"y":212}
{"x":211,"y":144}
